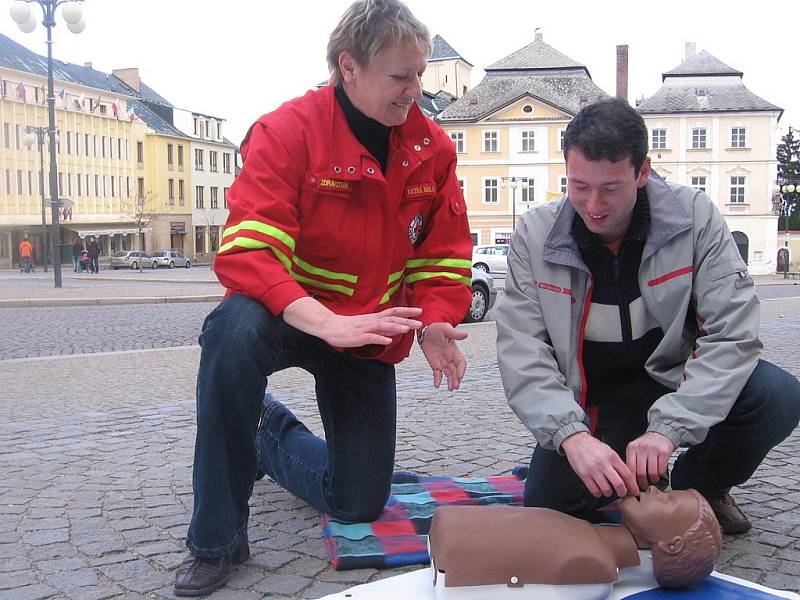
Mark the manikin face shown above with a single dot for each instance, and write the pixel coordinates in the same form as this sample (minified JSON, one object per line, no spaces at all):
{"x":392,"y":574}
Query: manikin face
{"x":386,"y":88}
{"x":604,"y":193}
{"x":659,"y":516}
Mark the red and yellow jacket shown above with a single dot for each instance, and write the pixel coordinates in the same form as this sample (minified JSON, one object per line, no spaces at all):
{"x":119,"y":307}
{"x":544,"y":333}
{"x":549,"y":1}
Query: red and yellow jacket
{"x":311,"y":214}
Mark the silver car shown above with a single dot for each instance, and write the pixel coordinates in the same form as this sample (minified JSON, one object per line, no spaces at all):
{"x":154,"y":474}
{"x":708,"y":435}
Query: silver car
{"x":491,"y":258}
{"x":483,"y":296}
{"x":171,"y":259}
{"x":132,"y":259}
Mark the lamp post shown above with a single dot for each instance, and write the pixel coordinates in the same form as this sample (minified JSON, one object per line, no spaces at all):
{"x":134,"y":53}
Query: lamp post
{"x":72,"y":13}
{"x":35,"y":135}
{"x":780,"y":204}
{"x":514,"y":182}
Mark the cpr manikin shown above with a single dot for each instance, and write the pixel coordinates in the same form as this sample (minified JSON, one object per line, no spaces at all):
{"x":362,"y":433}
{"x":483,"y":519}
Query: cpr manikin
{"x":493,"y":551}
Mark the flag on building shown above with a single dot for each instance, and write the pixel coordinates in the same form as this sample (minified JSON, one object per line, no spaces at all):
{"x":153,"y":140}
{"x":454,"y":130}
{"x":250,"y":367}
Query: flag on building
{"x":116,"y":108}
{"x":130,"y":112}
{"x":94,"y":104}
{"x":21,"y":93}
{"x":44,"y":95}
{"x":82,"y":101}
{"x":2,"y":89}
{"x":63,"y":95}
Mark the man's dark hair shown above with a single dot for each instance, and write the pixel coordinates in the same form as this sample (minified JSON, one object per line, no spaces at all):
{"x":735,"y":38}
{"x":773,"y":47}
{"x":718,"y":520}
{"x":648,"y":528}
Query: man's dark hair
{"x":608,"y":130}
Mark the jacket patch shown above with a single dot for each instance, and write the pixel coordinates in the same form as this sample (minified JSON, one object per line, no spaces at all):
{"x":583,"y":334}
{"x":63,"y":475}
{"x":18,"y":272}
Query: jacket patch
{"x":415,"y":229}
{"x":744,"y":281}
{"x":420,"y":190}
{"x":335,"y":185}
{"x":554,"y":288}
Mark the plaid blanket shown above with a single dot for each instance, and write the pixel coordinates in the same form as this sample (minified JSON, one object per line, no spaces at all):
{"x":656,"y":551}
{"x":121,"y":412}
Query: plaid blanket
{"x":399,"y":536}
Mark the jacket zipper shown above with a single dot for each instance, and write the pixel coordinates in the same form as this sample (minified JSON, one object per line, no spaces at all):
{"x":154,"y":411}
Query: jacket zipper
{"x":624,"y":309}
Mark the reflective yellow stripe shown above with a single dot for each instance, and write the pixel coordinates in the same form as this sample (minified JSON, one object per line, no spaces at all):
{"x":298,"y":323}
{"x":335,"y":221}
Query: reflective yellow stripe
{"x":395,"y":276}
{"x":323,"y":285}
{"x":251,"y":244}
{"x":261,"y":228}
{"x":324,"y":272}
{"x":420,"y":275}
{"x":456,"y":263}
{"x":391,"y":291}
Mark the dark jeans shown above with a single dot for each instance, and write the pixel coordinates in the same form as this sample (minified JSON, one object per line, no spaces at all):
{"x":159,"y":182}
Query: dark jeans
{"x":765,"y":413}
{"x":94,"y":264}
{"x":347,"y":475}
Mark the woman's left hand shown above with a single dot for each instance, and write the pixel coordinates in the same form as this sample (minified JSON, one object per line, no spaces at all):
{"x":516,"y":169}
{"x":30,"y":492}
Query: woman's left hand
{"x":444,"y":357}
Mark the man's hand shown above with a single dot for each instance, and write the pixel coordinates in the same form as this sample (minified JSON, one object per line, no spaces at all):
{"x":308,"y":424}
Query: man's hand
{"x":647,"y":457}
{"x":311,"y":316}
{"x":599,"y":467}
{"x":444,"y":357}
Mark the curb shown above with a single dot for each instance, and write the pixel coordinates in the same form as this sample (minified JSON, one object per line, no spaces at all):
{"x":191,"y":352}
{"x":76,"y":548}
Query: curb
{"x":45,"y":302}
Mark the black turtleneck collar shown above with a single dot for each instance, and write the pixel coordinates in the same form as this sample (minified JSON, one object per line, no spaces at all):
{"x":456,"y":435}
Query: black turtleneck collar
{"x":637,"y":230}
{"x":373,"y":135}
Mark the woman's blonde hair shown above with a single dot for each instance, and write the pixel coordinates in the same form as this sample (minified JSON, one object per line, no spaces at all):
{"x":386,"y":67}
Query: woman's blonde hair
{"x":369,"y":27}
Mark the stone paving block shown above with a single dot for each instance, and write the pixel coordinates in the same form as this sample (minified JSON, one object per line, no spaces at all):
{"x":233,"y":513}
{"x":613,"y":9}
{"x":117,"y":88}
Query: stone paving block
{"x":318,"y":590}
{"x":28,"y":592}
{"x":282,"y":584}
{"x":271,"y":559}
{"x":148,"y":583}
{"x":306,"y":566}
{"x":126,"y":570}
{"x":18,"y":579}
{"x":72,"y":579}
{"x":93,"y":593}
{"x":45,"y":537}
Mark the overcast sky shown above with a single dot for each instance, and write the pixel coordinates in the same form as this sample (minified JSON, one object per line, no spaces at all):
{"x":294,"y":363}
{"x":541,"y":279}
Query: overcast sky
{"x":238,"y":59}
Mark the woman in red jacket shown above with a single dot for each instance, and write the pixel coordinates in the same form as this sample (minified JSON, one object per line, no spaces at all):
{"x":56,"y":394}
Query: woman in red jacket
{"x":347,"y":233}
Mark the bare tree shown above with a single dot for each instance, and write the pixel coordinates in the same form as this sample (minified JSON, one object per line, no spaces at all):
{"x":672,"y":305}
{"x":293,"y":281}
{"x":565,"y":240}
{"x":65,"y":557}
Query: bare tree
{"x":142,"y":211}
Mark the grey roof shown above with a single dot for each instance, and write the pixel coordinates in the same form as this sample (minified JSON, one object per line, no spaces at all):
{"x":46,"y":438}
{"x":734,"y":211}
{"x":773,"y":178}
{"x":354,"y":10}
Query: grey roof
{"x":433,"y":104}
{"x":153,"y":120}
{"x":566,"y":90}
{"x":536,"y":55}
{"x":702,"y":63}
{"x":719,"y":98}
{"x":441,"y":50}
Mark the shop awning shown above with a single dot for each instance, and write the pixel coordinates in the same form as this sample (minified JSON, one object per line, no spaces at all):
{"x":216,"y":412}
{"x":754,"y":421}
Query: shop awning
{"x":84,"y":232}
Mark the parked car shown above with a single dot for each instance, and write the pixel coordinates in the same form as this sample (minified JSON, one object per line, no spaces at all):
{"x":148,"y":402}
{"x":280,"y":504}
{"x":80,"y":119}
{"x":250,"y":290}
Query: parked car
{"x":483,"y":296}
{"x":171,"y":259}
{"x":132,"y":259}
{"x":491,"y":258}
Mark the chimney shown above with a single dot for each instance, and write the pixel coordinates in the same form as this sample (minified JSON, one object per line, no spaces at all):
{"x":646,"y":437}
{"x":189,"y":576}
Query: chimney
{"x":622,"y":71}
{"x":129,"y":76}
{"x":88,"y":65}
{"x":690,"y":51}
{"x":537,"y":35}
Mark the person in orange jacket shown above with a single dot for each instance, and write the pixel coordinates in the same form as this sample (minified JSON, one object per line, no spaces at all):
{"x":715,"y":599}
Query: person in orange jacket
{"x":26,"y":256}
{"x":347,"y":234}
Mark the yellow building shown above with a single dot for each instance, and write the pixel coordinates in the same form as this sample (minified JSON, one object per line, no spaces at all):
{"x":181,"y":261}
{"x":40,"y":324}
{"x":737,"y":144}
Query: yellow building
{"x":508,"y":134}
{"x":709,"y":131}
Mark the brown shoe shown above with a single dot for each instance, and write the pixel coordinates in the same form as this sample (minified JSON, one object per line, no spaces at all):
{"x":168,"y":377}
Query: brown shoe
{"x":200,"y":576}
{"x":731,"y":519}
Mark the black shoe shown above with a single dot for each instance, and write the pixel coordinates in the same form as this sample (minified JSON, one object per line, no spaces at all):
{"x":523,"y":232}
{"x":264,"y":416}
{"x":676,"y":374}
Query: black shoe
{"x":731,"y":519}
{"x":201,"y":576}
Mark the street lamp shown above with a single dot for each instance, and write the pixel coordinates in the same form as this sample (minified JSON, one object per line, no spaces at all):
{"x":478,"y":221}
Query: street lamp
{"x":780,"y":205}
{"x":35,"y":135}
{"x":514,"y":182}
{"x":72,"y":13}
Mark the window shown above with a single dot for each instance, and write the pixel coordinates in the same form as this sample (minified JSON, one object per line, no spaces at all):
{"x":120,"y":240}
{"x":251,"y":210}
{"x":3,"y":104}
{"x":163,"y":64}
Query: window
{"x":659,"y":139}
{"x":20,"y":189}
{"x":528,"y":141}
{"x":490,"y":191}
{"x":224,"y":197}
{"x":199,"y":201}
{"x":180,"y":158}
{"x":140,"y":188}
{"x":80,"y":188}
{"x":561,"y":140}
{"x":212,"y":161}
{"x":127,"y":186}
{"x":219,"y":131}
{"x":97,"y":185}
{"x":119,"y":148}
{"x":699,"y":138}
{"x":113,"y":187}
{"x":198,"y":159}
{"x":462,"y":185}
{"x":490,"y":141}
{"x":226,"y":161}
{"x":169,"y":157}
{"x":701,"y":92}
{"x":69,"y":142}
{"x":527,"y":194}
{"x":110,"y":147}
{"x":86,"y":144}
{"x":737,"y":190}
{"x":738,"y":139}
{"x":171,"y":191}
{"x":562,"y":185}
{"x":200,"y":239}
{"x":196,"y":120}
{"x":458,"y":141}
{"x":213,"y":236}
{"x":181,"y":197}
{"x":19,"y":142}
{"x":139,"y":154}
{"x":7,"y":135}
{"x":60,"y":185}
{"x":699,"y":183}
{"x":103,"y":147}
{"x":214,"y":194}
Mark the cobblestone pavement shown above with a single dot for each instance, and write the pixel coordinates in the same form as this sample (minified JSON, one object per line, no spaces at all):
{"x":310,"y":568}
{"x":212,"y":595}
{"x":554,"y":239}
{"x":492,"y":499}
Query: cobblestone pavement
{"x":96,"y":454}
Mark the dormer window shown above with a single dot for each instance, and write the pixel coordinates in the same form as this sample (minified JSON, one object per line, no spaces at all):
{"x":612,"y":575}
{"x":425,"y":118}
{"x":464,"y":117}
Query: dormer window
{"x":701,"y":92}
{"x":527,"y":108}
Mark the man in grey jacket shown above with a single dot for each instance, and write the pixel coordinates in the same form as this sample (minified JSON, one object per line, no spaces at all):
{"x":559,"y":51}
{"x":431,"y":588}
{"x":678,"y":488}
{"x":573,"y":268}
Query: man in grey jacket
{"x":629,"y":328}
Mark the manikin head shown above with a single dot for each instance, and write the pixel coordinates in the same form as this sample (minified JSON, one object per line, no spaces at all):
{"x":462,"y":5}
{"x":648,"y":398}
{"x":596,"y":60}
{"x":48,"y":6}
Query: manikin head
{"x":680,"y":529}
{"x":378,"y":53}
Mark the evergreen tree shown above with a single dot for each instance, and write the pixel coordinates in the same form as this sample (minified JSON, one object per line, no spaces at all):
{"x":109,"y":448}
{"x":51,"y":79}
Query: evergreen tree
{"x":789,"y":172}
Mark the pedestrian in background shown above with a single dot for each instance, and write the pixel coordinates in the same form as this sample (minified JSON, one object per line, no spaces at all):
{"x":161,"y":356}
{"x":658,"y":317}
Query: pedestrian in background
{"x":25,"y":256}
{"x":77,"y":248}
{"x":93,"y":248}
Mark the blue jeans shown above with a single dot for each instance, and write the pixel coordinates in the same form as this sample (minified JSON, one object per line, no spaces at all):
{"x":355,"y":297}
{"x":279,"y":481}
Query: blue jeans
{"x":347,"y":475}
{"x":76,"y":263}
{"x":765,"y":413}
